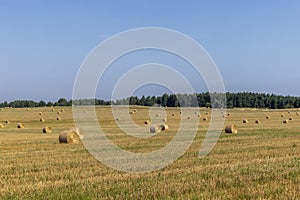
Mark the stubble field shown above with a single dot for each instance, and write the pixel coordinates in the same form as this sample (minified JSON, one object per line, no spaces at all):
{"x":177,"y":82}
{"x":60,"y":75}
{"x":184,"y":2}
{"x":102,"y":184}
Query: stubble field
{"x":262,"y":161}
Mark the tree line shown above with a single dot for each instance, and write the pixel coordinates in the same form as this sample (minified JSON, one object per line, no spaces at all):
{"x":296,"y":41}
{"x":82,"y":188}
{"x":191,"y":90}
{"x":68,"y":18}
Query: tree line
{"x":233,"y":100}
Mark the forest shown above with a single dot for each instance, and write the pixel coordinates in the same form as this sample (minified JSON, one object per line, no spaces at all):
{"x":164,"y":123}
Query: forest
{"x":233,"y":100}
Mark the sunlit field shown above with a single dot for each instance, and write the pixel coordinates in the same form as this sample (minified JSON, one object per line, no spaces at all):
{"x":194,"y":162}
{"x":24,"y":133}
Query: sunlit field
{"x":262,"y":161}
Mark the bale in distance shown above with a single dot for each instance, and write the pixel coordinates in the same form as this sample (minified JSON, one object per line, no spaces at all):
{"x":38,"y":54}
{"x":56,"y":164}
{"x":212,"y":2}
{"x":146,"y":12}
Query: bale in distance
{"x":164,"y":119}
{"x":285,"y":121}
{"x":257,"y":121}
{"x":1,"y":126}
{"x":58,"y":118}
{"x":20,"y":125}
{"x":188,"y":117}
{"x":164,"y":127}
{"x":1,"y":109}
{"x":42,"y":120}
{"x":228,"y":114}
{"x":155,"y":129}
{"x":297,"y":113}
{"x":173,"y":114}
{"x":231,"y":129}
{"x":245,"y":121}
{"x":131,"y":112}
{"x":291,"y":119}
{"x":58,"y":113}
{"x":282,"y":115}
{"x":62,"y":110}
{"x":40,"y":113}
{"x":147,"y":122}
{"x":135,"y":110}
{"x":28,"y":109}
{"x":268,"y":117}
{"x":205,"y":119}
{"x":157,"y":115}
{"x":7,"y":121}
{"x":71,"y":136}
{"x":47,"y":129}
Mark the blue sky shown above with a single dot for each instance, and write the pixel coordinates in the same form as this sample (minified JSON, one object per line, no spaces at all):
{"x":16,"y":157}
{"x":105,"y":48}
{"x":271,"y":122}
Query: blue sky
{"x":255,"y":44}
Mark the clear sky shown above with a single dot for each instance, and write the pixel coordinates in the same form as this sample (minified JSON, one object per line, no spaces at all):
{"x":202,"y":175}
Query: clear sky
{"x":255,"y":44}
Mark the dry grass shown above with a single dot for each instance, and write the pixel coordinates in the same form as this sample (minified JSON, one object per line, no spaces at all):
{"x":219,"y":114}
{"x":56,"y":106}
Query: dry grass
{"x":261,"y":162}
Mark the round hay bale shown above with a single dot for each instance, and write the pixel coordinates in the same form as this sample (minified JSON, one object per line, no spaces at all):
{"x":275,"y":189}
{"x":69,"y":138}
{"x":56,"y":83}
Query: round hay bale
{"x":228,"y":114}
{"x":131,"y":112}
{"x":69,"y":137}
{"x":231,"y":129}
{"x":164,"y":119}
{"x":157,"y":115}
{"x":28,"y":109}
{"x":257,"y":121}
{"x":196,"y":113}
{"x":147,"y":122}
{"x":180,"y":112}
{"x":58,"y":118}
{"x":164,"y":127}
{"x":173,"y":114}
{"x":135,"y":110}
{"x":52,"y":110}
{"x":62,"y":110}
{"x":42,"y":120}
{"x":205,"y":119}
{"x":291,"y":119}
{"x":206,"y":113}
{"x":297,"y":113}
{"x":245,"y":121}
{"x":20,"y":125}
{"x":155,"y":129}
{"x":289,"y":112}
{"x":268,"y":117}
{"x":58,"y":113}
{"x":285,"y":121}
{"x":47,"y":129}
{"x":199,"y":115}
{"x":1,"y":109}
{"x":188,"y":117}
{"x":40,"y":113}
{"x":7,"y":122}
{"x":282,"y":115}
{"x":1,"y":126}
